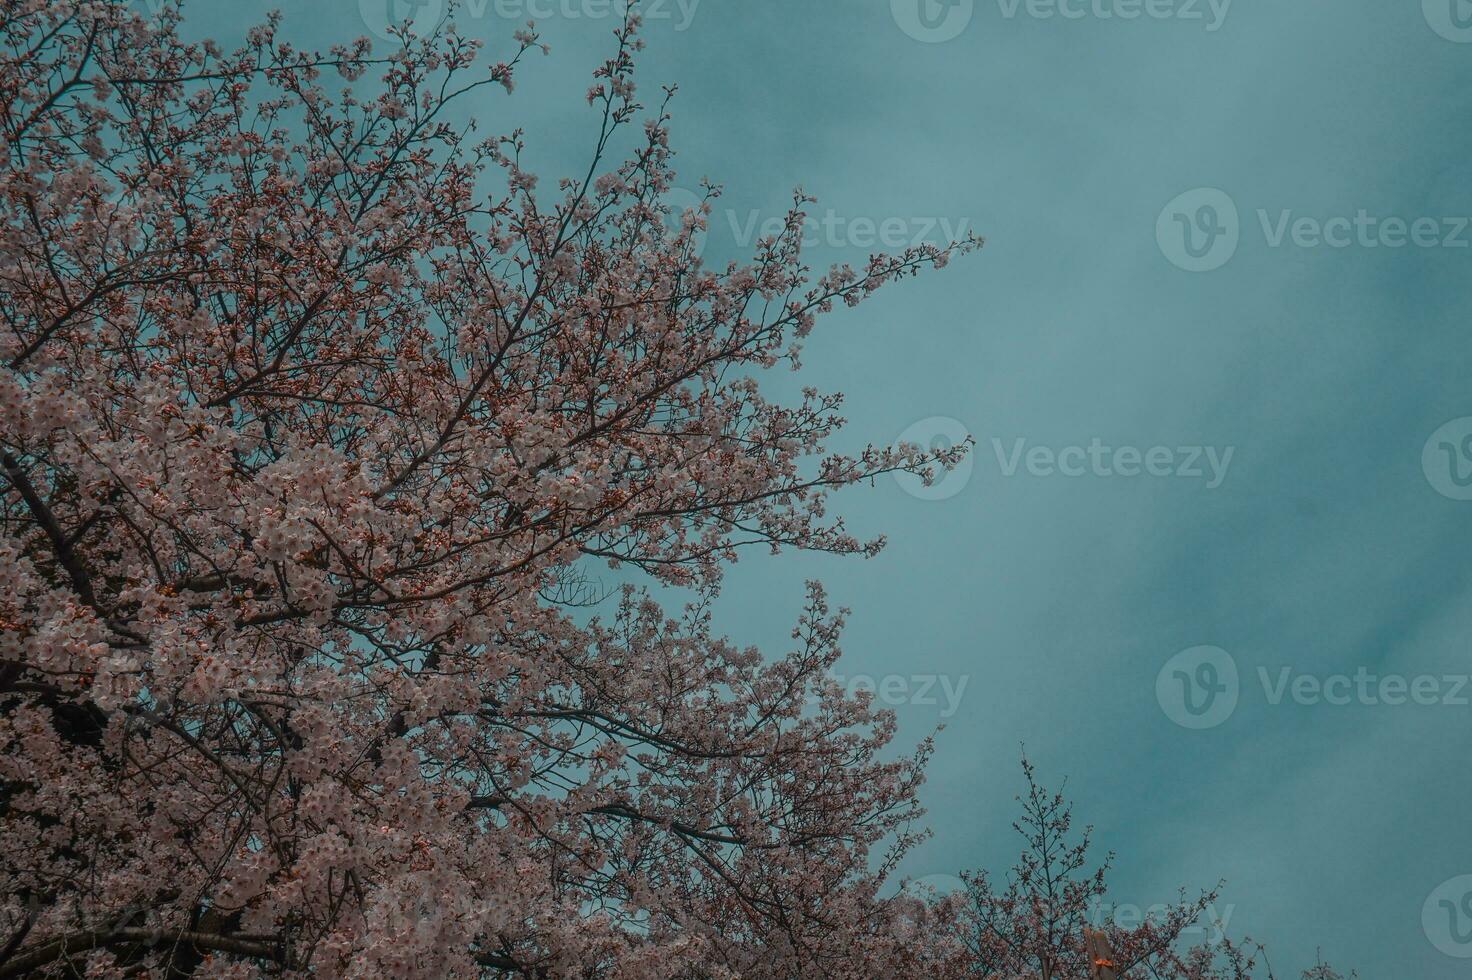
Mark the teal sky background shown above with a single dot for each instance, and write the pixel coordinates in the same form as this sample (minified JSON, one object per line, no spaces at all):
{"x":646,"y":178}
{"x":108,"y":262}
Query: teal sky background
{"x":1057,"y":600}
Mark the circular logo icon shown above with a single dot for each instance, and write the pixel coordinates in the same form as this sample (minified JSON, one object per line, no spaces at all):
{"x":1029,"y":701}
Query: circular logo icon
{"x":932,"y":21}
{"x":151,"y":11}
{"x":1199,"y":230}
{"x":382,"y":17}
{"x":1446,"y":459}
{"x":932,"y":435}
{"x":679,"y":201}
{"x":1198,"y":688}
{"x":1452,"y":19}
{"x":915,"y":903}
{"x":1446,"y":918}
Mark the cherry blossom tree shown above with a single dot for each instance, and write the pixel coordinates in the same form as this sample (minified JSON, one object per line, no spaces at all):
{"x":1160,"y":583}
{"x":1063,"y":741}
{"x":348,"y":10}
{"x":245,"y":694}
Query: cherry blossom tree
{"x":318,"y":418}
{"x":1050,"y":919}
{"x":318,"y":415}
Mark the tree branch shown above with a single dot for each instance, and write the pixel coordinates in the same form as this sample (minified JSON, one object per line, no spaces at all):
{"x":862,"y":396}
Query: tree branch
{"x":80,"y":942}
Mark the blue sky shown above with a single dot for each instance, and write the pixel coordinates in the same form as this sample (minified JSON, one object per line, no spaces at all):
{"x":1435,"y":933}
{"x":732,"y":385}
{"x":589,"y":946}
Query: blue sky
{"x":1298,"y":143}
